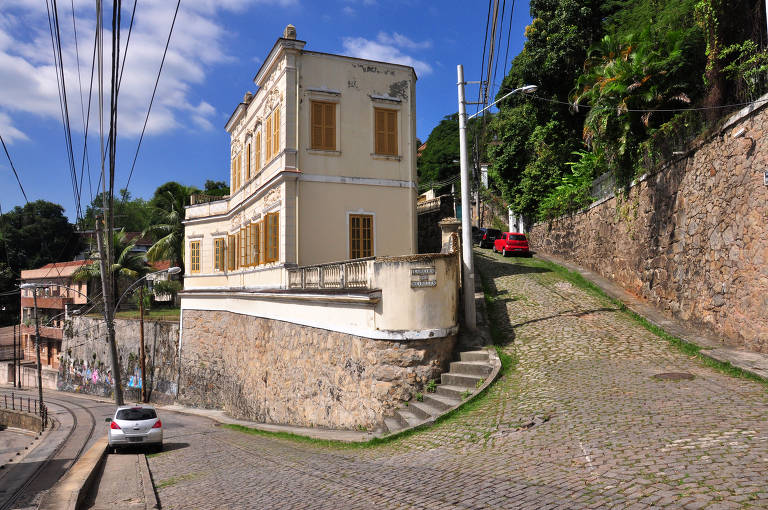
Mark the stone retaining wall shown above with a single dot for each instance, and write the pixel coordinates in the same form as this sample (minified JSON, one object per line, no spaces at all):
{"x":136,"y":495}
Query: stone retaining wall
{"x":278,"y":372}
{"x":21,"y":420}
{"x":691,"y":238}
{"x":86,"y":364}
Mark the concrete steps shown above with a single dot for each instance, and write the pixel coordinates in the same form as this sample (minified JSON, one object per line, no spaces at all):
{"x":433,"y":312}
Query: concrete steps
{"x":463,"y":379}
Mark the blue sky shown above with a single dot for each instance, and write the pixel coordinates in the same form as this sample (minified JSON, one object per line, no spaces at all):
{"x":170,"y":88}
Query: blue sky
{"x":216,"y":49}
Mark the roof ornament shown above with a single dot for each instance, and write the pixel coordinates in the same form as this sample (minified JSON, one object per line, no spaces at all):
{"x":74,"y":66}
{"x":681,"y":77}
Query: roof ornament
{"x":289,"y":32}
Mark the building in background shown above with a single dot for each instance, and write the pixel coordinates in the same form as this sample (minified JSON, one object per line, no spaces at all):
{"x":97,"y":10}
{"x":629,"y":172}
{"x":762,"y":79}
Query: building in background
{"x":56,"y":298}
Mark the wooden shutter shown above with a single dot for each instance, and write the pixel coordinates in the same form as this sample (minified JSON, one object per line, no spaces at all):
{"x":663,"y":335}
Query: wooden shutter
{"x":276,"y":132}
{"x":272,"y":237}
{"x":323,"y":125}
{"x":257,"y":159}
{"x":392,"y":133}
{"x":360,"y":236}
{"x":317,"y":125}
{"x":194,"y":252}
{"x":329,"y":126}
{"x":248,"y":162}
{"x":381,"y":131}
{"x":268,"y":141}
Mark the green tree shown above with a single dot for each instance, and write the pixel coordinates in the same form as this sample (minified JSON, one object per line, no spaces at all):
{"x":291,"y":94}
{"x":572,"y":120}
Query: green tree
{"x":167,"y":228}
{"x":440,"y":159}
{"x":131,"y":214}
{"x":216,"y":188}
{"x":30,"y":237}
{"x":126,"y":265}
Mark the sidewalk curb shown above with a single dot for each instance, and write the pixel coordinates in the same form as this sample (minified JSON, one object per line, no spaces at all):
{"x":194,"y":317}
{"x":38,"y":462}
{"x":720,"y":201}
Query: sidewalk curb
{"x":150,"y":498}
{"x":70,"y":490}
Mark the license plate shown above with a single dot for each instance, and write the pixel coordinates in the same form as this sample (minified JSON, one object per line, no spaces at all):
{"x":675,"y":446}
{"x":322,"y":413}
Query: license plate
{"x":135,"y":439}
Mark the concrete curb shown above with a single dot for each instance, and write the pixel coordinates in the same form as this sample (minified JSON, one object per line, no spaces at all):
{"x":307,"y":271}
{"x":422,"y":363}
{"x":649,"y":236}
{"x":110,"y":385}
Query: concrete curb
{"x":70,"y":490}
{"x":150,"y":498}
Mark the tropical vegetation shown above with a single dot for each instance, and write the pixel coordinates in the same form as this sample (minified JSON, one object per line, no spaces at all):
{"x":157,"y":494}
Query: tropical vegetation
{"x":622,"y":84}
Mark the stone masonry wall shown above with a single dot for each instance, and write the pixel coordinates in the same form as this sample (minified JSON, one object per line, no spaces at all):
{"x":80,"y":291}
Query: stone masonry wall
{"x":691,"y":238}
{"x":86,"y":364}
{"x":277,"y":372}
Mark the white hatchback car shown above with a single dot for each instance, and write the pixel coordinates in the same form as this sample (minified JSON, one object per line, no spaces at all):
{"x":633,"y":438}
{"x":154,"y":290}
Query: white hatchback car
{"x":136,"y":425}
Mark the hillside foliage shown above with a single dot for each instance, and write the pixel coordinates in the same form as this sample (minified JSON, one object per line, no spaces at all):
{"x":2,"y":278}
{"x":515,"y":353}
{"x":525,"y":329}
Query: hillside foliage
{"x":621,"y":85}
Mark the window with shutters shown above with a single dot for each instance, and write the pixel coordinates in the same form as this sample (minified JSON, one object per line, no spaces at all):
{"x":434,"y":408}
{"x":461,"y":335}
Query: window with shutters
{"x":218,"y":254}
{"x":272,"y":135}
{"x":272,"y":237}
{"x":232,"y":252}
{"x":194,"y":256}
{"x":360,"y":236}
{"x":323,"y":120}
{"x":385,"y":131}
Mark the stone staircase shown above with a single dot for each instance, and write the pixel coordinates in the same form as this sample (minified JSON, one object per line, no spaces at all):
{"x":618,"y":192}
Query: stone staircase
{"x":464,"y":379}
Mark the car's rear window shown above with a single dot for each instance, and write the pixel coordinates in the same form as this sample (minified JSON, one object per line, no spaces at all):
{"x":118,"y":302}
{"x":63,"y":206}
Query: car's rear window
{"x":517,"y":237}
{"x":136,"y":414}
{"x":492,"y":232}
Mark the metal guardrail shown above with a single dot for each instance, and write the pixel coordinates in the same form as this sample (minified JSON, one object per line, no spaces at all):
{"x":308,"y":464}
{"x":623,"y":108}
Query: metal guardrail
{"x":17,"y":404}
{"x":603,"y":186}
{"x":352,"y":274}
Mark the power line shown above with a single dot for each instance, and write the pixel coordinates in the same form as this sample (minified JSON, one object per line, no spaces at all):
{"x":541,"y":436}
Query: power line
{"x":154,"y":91}
{"x":576,"y":106}
{"x":509,"y":33}
{"x":482,"y":60}
{"x":14,"y":169}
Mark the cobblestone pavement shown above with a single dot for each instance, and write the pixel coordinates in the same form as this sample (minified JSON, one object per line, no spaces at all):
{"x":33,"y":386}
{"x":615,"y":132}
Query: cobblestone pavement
{"x":609,"y":434}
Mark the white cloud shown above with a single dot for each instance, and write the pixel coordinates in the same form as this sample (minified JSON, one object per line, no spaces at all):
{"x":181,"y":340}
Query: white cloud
{"x":402,"y":41}
{"x":10,"y":133}
{"x":388,"y":48}
{"x":198,"y":42}
{"x":349,"y":11}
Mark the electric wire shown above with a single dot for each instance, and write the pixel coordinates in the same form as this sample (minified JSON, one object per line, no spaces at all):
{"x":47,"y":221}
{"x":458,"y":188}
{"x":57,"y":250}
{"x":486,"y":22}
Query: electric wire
{"x":154,"y":91}
{"x":55,"y":33}
{"x":577,"y":106}
{"x":14,"y":169}
{"x":501,"y":33}
{"x":482,"y":60}
{"x":509,"y":33}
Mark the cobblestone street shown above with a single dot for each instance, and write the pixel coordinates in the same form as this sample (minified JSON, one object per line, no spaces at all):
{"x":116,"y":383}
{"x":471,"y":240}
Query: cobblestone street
{"x":608,"y":434}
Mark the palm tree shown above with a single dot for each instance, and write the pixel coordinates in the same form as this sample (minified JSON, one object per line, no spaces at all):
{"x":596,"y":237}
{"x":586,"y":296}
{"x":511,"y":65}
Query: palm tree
{"x":127,"y":264}
{"x":167,"y":226}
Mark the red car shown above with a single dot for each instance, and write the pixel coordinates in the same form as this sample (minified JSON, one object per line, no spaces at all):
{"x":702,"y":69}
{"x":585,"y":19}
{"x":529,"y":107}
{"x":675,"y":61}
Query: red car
{"x":512,"y":242}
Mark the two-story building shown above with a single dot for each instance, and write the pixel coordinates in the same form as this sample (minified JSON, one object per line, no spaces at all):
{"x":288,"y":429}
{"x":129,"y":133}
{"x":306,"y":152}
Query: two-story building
{"x":322,"y":168}
{"x":304,"y":301}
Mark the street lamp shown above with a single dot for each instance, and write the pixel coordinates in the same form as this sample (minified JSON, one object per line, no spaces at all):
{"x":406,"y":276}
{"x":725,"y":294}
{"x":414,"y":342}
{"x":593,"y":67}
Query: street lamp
{"x":466,"y":229}
{"x":142,"y":352}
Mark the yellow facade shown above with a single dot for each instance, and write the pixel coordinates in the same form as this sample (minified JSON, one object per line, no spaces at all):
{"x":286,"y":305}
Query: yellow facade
{"x":324,"y":148}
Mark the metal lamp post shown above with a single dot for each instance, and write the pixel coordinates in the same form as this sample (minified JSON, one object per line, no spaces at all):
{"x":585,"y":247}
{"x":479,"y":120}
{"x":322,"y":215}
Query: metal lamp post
{"x":466,"y":214}
{"x":142,"y":351}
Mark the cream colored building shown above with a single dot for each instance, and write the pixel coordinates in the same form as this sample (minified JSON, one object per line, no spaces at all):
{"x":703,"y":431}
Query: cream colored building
{"x":323,"y":168}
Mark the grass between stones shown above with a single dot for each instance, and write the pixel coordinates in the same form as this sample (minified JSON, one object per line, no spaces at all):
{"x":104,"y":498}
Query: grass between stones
{"x":687,"y":348}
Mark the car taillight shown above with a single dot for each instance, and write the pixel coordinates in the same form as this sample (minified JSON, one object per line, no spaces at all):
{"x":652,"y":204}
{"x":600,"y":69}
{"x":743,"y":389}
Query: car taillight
{"x":114,"y":426}
{"x":158,"y":424}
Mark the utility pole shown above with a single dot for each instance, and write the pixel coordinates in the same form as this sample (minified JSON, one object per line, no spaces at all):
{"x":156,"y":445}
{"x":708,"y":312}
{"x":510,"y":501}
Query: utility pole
{"x":14,"y":355}
{"x":106,"y":289}
{"x":142,"y":352}
{"x":466,"y":213}
{"x":37,"y":350}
